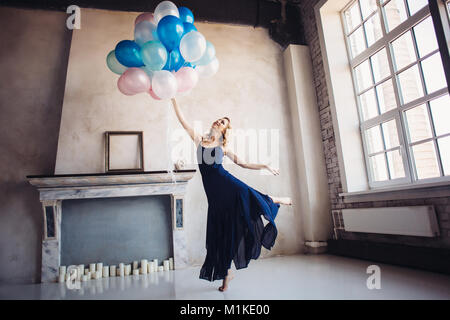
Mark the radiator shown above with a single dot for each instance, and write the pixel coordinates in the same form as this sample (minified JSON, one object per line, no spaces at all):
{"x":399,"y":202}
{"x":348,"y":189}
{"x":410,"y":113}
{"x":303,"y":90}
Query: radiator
{"x":410,"y":221}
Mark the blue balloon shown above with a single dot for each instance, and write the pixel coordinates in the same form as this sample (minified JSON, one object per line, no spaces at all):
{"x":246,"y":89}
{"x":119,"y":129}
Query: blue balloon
{"x":175,"y":61}
{"x":188,"y":27}
{"x":128,"y":53}
{"x":154,"y":55}
{"x":170,"y":31}
{"x":186,"y":15}
{"x":189,"y":64}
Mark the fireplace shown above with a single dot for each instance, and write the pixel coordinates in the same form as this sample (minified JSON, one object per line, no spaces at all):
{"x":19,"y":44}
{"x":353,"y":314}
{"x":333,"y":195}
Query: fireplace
{"x":73,"y":205}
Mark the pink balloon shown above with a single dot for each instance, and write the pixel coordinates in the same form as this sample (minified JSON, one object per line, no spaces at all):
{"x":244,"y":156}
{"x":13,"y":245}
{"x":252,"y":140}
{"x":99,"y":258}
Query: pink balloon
{"x":133,"y":81}
{"x":146,"y":16}
{"x":153,"y":95}
{"x":187,"y":78}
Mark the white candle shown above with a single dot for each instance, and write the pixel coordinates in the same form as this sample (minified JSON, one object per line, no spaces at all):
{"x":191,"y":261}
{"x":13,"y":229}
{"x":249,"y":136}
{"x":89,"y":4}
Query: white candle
{"x":84,"y":278}
{"x":86,"y":271}
{"x":98,"y":274}
{"x":62,"y":270}
{"x":99,"y":267}
{"x":80,"y":271}
{"x":89,"y":276}
{"x":112,"y":271}
{"x":144,"y":266}
{"x":81,"y":267}
{"x":121,"y":269}
{"x":135,"y":265}
{"x":105,"y":272}
{"x":128,"y":269}
{"x":160,"y":268}
{"x":92,"y":268}
{"x":166,"y":265}
{"x":135,"y":272}
{"x":62,"y":277}
{"x":171,"y":263}
{"x":156,"y":264}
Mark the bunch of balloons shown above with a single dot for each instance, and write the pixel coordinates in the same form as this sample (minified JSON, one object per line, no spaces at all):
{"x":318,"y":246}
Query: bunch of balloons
{"x":167,"y":55}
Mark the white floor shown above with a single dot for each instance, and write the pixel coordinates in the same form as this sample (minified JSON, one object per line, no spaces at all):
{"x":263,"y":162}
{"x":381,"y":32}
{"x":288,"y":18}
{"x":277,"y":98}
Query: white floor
{"x":284,"y":277}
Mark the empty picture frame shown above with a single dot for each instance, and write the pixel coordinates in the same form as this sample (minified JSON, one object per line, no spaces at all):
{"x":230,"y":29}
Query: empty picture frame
{"x":124,"y":151}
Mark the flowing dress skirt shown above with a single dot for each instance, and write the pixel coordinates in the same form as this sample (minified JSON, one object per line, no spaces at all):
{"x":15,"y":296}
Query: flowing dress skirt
{"x":235,"y":231}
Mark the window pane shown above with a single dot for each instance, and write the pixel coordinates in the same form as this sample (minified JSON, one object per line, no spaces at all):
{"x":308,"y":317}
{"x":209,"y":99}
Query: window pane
{"x":374,"y":140}
{"x":418,"y":123}
{"x":368,"y":105}
{"x":416,"y":5}
{"x":380,"y":65}
{"x":395,"y":13}
{"x":363,"y":76}
{"x":373,"y":29}
{"x":425,"y":160}
{"x":386,"y":96}
{"x":390,"y":134}
{"x":367,"y":7}
{"x":410,"y":84}
{"x":395,"y":164}
{"x":433,"y":73}
{"x":425,"y":37}
{"x":444,"y":151}
{"x":378,"y":167}
{"x":357,"y":42}
{"x":352,"y":17}
{"x":403,"y":49}
{"x":440,"y":112}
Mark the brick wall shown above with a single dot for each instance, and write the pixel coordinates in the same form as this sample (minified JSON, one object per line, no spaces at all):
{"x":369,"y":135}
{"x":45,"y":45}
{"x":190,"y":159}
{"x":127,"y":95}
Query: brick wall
{"x":442,"y":205}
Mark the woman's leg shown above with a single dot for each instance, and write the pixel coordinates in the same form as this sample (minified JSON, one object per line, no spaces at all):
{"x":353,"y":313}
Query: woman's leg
{"x":226,"y":281}
{"x":282,"y":200}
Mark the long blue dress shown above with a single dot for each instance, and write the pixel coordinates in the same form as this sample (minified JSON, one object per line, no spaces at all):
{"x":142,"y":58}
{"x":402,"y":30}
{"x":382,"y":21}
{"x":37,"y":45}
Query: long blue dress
{"x":235,"y":230}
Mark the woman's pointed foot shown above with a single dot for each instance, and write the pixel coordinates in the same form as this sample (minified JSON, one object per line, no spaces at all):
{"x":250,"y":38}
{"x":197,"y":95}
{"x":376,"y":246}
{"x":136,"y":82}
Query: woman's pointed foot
{"x":282,"y":200}
{"x":225,"y":283}
{"x":286,"y":201}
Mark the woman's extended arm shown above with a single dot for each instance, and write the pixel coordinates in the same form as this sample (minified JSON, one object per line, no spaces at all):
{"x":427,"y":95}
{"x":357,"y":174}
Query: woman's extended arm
{"x":254,"y":166}
{"x":195,"y":137}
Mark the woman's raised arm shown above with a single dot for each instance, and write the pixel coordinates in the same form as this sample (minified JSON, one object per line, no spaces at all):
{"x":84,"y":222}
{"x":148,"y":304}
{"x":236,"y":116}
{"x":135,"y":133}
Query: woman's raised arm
{"x":195,"y":137}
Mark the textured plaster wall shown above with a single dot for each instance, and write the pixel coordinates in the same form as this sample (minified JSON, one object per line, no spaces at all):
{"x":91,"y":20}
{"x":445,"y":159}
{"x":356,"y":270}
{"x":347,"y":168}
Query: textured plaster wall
{"x":250,"y":88}
{"x":33,"y":62}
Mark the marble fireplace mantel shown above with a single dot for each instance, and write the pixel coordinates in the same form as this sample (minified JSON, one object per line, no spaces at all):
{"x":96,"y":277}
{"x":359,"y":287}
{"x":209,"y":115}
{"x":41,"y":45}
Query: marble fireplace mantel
{"x":57,"y":188}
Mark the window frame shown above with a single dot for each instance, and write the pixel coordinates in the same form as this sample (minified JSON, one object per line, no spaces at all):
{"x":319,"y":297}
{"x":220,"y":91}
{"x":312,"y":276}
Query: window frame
{"x":398,"y":113}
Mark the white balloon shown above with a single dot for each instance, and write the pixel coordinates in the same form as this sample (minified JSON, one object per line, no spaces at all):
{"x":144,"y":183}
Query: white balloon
{"x":209,"y":70}
{"x":164,"y":84}
{"x":165,"y":8}
{"x":192,"y":46}
{"x":145,"y":31}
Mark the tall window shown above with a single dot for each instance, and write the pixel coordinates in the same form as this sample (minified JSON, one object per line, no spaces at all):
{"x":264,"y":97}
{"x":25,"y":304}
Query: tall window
{"x":401,"y":90}
{"x":448,"y":8}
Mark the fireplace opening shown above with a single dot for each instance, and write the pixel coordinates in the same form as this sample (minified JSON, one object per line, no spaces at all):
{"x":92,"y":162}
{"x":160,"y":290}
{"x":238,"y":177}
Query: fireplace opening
{"x":114,"y":230}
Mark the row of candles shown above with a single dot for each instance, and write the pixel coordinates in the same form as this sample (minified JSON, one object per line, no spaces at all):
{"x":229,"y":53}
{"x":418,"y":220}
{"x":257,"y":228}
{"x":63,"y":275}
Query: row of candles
{"x":98,"y":271}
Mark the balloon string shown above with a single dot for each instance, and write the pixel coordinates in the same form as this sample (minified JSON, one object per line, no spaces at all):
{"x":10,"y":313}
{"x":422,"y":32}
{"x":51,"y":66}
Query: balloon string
{"x":169,"y":153}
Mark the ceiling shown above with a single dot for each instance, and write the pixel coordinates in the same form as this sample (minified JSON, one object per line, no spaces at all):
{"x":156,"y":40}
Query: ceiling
{"x":256,"y":13}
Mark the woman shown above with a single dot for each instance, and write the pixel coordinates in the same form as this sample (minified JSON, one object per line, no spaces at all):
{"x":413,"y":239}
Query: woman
{"x":235,"y":230}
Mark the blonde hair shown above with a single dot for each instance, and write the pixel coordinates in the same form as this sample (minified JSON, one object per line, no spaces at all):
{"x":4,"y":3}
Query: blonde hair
{"x":225,"y":133}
